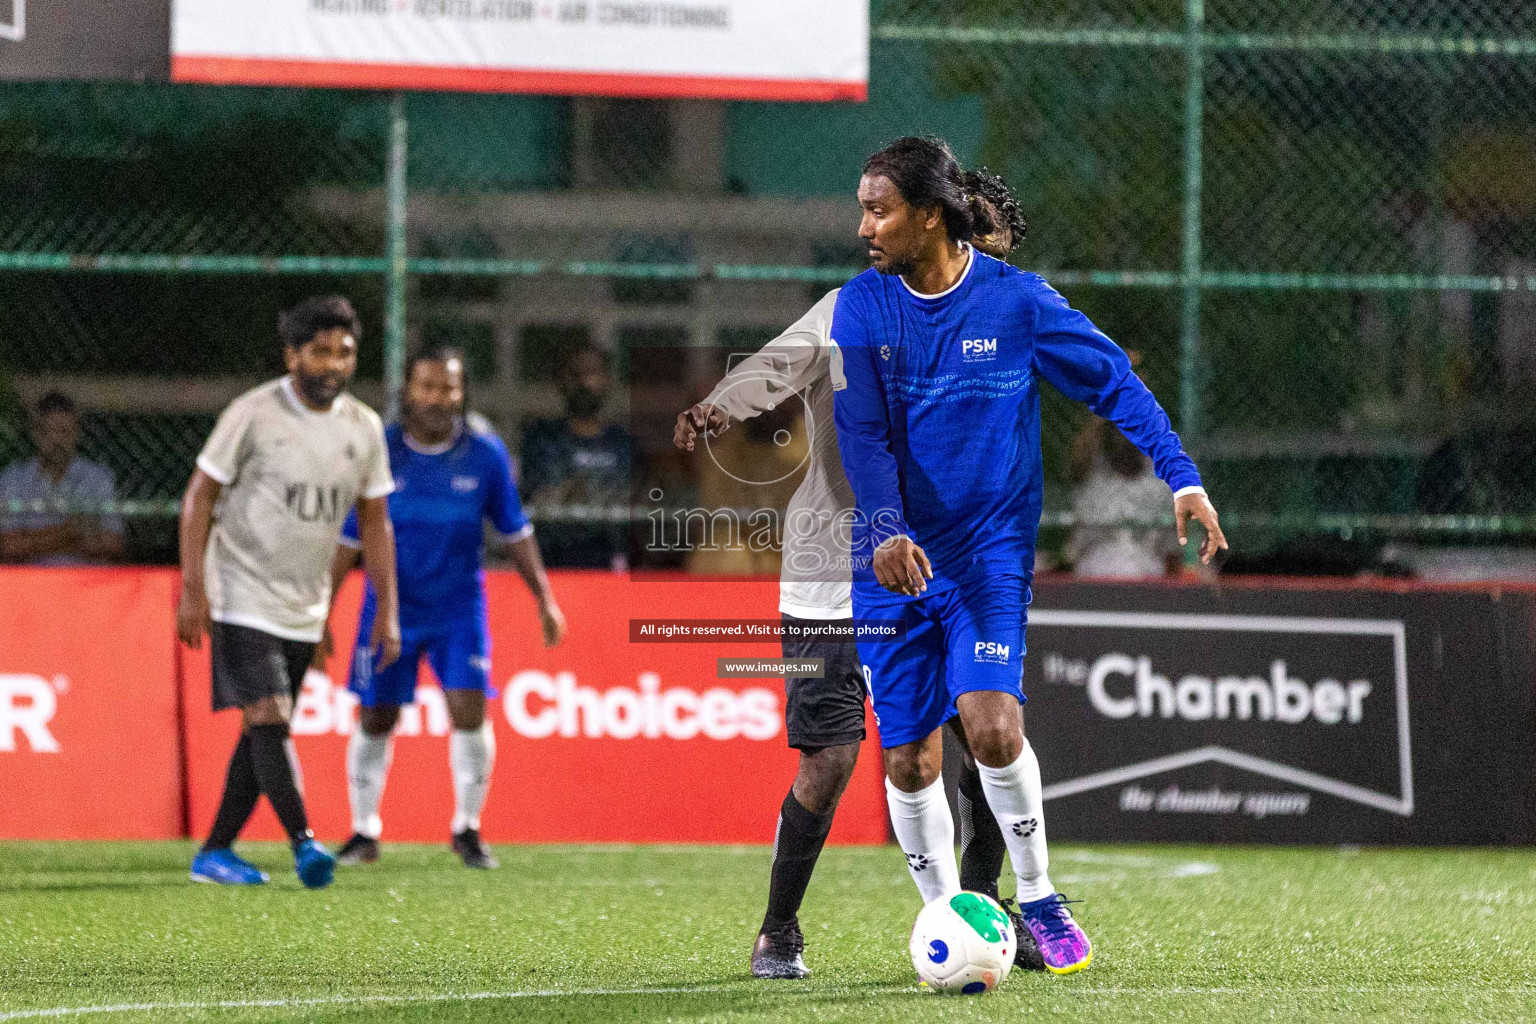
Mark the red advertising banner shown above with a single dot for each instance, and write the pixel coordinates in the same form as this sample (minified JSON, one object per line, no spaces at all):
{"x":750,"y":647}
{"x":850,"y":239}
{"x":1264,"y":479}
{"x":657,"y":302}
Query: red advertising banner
{"x":88,"y":705}
{"x":598,"y":740}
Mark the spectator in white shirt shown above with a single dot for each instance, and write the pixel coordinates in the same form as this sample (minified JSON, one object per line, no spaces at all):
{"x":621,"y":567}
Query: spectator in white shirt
{"x":1117,"y":510}
{"x":54,"y":508}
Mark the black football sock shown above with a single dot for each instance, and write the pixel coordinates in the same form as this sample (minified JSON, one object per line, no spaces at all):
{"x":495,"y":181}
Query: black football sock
{"x":798,"y":843}
{"x":241,"y":791}
{"x":271,"y":752}
{"x":981,"y":841}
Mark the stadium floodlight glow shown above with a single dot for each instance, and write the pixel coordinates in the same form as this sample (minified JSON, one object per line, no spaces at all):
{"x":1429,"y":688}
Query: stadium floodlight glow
{"x":16,"y":28}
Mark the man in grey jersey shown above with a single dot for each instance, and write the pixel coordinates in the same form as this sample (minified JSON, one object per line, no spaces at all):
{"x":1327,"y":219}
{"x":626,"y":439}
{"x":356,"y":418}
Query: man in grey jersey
{"x":260,"y":520}
{"x":824,"y":718}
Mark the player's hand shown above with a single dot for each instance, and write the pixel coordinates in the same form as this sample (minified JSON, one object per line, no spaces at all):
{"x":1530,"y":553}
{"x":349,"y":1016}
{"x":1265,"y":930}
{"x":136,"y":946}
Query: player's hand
{"x":902,"y":567}
{"x":322,"y":656}
{"x":1198,"y":507}
{"x":193,"y":617}
{"x":700,"y":419}
{"x":552,"y":621}
{"x":385,"y":643}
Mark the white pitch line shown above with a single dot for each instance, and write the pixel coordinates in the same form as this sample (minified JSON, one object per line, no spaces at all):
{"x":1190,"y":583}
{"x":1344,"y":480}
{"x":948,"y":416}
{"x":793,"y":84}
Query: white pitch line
{"x":1067,"y":988}
{"x":442,"y":997}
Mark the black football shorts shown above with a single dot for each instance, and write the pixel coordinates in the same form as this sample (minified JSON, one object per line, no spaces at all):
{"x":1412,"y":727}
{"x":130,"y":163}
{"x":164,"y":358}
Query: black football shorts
{"x":826,"y":712}
{"x":249,"y":664}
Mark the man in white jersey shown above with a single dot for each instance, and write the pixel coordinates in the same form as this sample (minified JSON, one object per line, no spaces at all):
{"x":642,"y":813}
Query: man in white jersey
{"x":259,"y":523}
{"x":824,"y":717}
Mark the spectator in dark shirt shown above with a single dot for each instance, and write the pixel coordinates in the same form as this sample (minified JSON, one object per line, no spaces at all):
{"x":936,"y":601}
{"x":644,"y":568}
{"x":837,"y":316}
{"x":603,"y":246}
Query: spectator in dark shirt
{"x":580,"y":460}
{"x":51,"y":506}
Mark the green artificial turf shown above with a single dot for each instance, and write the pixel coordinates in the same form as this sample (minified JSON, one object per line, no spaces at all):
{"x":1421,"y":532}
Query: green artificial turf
{"x":614,"y":934}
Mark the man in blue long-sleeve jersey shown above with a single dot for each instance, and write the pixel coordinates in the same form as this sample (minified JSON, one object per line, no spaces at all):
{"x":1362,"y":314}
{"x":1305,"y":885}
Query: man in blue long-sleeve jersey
{"x":938,"y":422}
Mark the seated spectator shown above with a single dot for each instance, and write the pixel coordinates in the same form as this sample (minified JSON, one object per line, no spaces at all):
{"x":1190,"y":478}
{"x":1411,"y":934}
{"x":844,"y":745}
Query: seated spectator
{"x":579,"y":459}
{"x":52,"y":506}
{"x":1117,"y":508}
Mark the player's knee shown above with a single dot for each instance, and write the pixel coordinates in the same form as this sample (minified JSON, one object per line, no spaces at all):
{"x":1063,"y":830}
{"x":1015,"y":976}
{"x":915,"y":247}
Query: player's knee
{"x":823,"y":777}
{"x":379,"y":720}
{"x":908,"y":769}
{"x":466,"y":709}
{"x":266,"y":711}
{"x":996,"y":743}
{"x":819,"y":795}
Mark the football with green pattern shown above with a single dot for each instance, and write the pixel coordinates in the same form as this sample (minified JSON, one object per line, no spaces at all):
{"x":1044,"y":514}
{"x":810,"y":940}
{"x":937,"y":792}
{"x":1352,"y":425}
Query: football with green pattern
{"x":963,"y":945}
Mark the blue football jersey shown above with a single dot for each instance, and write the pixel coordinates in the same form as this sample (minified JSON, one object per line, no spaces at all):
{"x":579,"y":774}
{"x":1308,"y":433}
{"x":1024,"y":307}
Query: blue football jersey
{"x":938,"y":412}
{"x":440,"y":503}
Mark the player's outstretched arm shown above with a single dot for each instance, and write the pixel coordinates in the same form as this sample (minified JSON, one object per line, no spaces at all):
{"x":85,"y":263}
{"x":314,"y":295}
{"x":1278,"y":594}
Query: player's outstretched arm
{"x":1195,"y":505}
{"x":505,"y":511}
{"x":781,"y":369}
{"x":700,"y":419}
{"x":193,"y":618}
{"x":525,"y":557}
{"x":378,"y":539}
{"x":1085,"y":365}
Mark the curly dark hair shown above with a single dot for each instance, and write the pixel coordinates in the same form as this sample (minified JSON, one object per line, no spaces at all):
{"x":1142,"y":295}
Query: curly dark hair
{"x":298,"y":326}
{"x":993,"y":206}
{"x":925,"y":172}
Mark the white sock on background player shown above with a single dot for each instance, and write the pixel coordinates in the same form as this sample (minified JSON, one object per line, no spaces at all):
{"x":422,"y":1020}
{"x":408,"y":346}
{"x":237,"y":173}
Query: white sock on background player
{"x":471,"y":754}
{"x":368,"y":760}
{"x":1013,"y":793}
{"x":925,"y":831}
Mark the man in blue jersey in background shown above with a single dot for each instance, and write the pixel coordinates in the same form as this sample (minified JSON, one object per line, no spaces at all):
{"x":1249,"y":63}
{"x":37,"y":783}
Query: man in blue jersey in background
{"x":938,"y":422}
{"x":449,"y":478}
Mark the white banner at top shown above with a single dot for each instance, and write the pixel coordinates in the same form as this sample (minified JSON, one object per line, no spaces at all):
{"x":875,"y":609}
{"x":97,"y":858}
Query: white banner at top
{"x":717,"y":49}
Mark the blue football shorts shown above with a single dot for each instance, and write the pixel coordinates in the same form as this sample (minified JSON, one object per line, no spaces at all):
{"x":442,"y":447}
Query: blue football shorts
{"x":960,"y":637}
{"x":459,"y":651}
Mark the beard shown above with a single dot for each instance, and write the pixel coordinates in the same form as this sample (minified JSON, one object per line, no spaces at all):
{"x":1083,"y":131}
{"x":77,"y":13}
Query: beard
{"x":884,"y":263}
{"x":321,"y":389}
{"x":432,"y":420}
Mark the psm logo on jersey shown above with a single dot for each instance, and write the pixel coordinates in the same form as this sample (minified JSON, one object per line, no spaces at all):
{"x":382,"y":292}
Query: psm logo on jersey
{"x":465,"y":484}
{"x":990,"y":650}
{"x":885,"y":352}
{"x":978,"y":350}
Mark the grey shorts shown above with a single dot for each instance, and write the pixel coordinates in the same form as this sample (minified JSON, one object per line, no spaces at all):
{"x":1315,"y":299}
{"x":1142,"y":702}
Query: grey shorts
{"x":249,"y":665}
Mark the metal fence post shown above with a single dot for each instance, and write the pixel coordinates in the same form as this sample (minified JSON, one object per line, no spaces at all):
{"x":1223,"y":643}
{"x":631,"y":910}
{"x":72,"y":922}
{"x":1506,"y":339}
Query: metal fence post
{"x":394,"y":292}
{"x":1194,"y":113}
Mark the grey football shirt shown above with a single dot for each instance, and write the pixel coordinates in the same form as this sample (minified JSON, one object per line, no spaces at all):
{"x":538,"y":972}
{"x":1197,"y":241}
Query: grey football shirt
{"x":290,"y":477}
{"x":815,"y":573}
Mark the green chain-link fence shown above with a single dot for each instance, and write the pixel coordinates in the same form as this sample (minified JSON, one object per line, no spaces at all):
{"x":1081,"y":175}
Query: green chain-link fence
{"x":1315,"y":220}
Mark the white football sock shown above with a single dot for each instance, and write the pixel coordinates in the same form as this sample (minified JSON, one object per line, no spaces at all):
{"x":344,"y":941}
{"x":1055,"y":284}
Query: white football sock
{"x":368,"y":760}
{"x":471,"y":753}
{"x":1013,"y":793}
{"x":926,"y":833}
